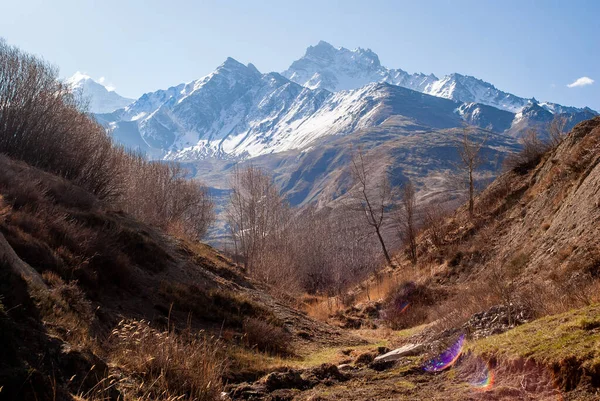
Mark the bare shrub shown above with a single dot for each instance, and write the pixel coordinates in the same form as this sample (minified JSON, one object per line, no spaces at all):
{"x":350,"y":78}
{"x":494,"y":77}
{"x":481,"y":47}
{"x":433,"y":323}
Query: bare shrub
{"x":407,"y":305}
{"x":266,"y":337}
{"x":165,"y":198}
{"x":170,"y":365}
{"x":407,"y":220}
{"x":41,"y":123}
{"x":559,"y":293}
{"x":434,"y":217}
{"x":533,"y":149}
{"x":503,"y":284}
{"x":332,"y":250}
{"x":257,"y":215}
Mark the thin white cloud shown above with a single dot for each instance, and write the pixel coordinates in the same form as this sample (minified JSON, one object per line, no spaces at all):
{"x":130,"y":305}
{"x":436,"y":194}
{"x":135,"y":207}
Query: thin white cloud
{"x":110,"y":87}
{"x":583,"y":81}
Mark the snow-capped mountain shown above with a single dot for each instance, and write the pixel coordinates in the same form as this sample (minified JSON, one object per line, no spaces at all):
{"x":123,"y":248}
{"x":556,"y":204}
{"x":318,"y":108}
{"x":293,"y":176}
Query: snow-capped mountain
{"x":303,"y":128}
{"x":100,"y":98}
{"x":537,"y":115}
{"x":464,"y":88}
{"x":237,"y":111}
{"x":327,"y":67}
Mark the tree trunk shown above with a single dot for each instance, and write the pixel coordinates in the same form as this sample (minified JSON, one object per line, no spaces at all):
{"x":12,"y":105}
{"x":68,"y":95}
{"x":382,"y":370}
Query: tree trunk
{"x":471,"y":193}
{"x":385,"y":252}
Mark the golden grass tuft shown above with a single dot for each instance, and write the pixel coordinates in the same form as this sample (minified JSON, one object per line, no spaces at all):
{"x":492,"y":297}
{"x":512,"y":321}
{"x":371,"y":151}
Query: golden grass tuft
{"x":170,"y":365}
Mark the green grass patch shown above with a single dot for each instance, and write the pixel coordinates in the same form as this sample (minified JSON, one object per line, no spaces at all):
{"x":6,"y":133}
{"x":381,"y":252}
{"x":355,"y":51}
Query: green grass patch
{"x":334,"y":354}
{"x":570,"y":336}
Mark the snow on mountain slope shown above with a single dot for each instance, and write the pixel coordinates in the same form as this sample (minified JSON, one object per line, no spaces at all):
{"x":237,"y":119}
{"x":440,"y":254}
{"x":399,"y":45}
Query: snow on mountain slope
{"x":472,"y":90}
{"x":327,"y":67}
{"x":238,"y":112}
{"x":101,"y":99}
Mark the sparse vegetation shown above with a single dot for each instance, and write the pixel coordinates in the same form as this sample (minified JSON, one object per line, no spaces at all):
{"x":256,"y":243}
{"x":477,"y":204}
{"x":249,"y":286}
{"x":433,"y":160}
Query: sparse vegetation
{"x":533,"y":149}
{"x":374,"y":198}
{"x":407,"y":220}
{"x":567,"y":343}
{"x":266,"y":337}
{"x":105,"y":319}
{"x":469,"y":151}
{"x":168,"y":365}
{"x":42,"y":125}
{"x":407,"y":305}
{"x":312,"y":250}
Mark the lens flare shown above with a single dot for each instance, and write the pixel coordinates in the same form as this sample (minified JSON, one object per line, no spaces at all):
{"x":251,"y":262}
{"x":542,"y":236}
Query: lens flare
{"x":485,"y":381}
{"x":446,"y":358}
{"x":404,"y":306}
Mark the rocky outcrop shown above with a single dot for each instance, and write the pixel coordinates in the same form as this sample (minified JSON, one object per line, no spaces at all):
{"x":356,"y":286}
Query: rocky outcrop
{"x":283,"y":384}
{"x":399,"y":353}
{"x":496,"y":320}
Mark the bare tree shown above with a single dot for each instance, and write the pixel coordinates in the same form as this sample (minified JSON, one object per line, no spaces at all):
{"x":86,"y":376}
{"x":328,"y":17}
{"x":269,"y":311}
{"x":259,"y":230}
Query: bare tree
{"x":332,"y":249}
{"x":407,"y":223}
{"x":374,"y":198}
{"x":257,"y":215}
{"x":556,"y":130}
{"x":469,"y":151}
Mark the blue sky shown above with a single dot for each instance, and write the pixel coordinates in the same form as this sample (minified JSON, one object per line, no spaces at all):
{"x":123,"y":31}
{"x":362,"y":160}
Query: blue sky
{"x":529,"y":48}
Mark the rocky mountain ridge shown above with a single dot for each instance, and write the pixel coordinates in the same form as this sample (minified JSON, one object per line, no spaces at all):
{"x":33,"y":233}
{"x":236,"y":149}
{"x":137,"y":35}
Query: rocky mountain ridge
{"x":237,"y":112}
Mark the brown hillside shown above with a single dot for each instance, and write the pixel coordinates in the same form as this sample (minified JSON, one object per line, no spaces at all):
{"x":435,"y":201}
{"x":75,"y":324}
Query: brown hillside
{"x":534,"y":239}
{"x":530,"y":258}
{"x":539,"y":224}
{"x":73,"y":271}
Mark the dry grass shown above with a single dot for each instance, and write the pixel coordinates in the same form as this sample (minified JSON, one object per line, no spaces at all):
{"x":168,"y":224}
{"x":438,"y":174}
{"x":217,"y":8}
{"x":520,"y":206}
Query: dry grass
{"x":408,"y":304}
{"x":323,"y":307}
{"x":221,"y":306}
{"x":66,"y":309}
{"x":376,"y":288}
{"x":466,"y":300}
{"x":266,"y":337}
{"x":168,"y":365}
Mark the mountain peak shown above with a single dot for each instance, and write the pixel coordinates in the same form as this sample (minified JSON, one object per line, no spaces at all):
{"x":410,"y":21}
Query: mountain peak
{"x":322,"y":50}
{"x":324,"y":44}
{"x":77,"y":78}
{"x":100,"y":98}
{"x":369,"y":54}
{"x":253,"y":68}
{"x":230,"y":62}
{"x":335,"y":68}
{"x":233,"y":68}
